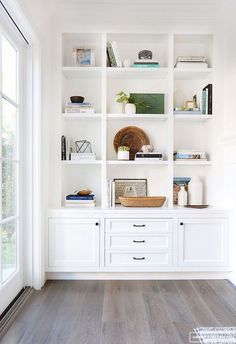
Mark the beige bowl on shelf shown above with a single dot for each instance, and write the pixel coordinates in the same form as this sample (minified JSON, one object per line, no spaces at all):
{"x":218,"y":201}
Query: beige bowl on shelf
{"x":143,"y":201}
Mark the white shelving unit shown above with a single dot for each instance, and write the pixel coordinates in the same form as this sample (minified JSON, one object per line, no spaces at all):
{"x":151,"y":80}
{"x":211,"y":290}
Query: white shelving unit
{"x":167,"y":132}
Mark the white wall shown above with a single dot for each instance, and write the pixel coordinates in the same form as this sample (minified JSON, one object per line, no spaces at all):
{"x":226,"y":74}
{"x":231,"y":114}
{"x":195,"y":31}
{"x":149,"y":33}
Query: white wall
{"x":50,"y":18}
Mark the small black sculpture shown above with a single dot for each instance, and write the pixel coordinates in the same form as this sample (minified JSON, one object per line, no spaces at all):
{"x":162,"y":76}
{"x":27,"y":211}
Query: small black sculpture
{"x":145,"y":55}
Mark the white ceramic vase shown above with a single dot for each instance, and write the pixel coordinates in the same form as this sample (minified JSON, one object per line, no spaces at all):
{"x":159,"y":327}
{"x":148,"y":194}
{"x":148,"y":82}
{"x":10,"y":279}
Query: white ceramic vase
{"x":117,"y":108}
{"x":130,"y":109}
{"x":195,"y":191}
{"x":123,"y":155}
{"x":182,"y":197}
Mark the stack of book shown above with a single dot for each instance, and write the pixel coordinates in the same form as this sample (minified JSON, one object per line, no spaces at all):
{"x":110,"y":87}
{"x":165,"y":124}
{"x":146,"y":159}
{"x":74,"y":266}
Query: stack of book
{"x":189,"y":155}
{"x":80,"y":201}
{"x":146,"y":63}
{"x":151,"y":156}
{"x":79,"y":108}
{"x":82,"y":156}
{"x":191,"y":62}
{"x":113,"y":55}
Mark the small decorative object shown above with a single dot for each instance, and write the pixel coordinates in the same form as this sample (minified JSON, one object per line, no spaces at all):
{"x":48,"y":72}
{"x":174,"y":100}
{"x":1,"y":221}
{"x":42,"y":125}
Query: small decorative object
{"x":83,"y":146}
{"x":189,"y":105}
{"x":148,"y":103}
{"x":182,"y":197}
{"x":177,"y":183}
{"x":147,"y":148}
{"x":127,"y":63}
{"x":85,"y":192}
{"x":123,"y":153}
{"x":128,"y":187}
{"x":143,"y":201}
{"x":133,"y":137}
{"x":83,"y":57}
{"x":195,"y":191}
{"x":77,"y":99}
{"x":130,"y":107}
{"x":145,"y":55}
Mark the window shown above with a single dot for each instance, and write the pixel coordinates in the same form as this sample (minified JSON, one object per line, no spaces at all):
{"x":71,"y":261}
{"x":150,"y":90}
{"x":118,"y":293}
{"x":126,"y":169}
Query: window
{"x":9,"y":158}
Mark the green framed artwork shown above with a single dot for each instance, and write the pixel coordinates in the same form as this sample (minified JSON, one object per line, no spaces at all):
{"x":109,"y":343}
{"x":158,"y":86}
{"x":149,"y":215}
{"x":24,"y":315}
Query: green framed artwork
{"x":148,"y":103}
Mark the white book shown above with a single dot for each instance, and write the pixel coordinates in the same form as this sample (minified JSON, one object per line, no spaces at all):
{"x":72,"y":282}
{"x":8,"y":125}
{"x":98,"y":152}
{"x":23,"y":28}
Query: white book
{"x":81,"y":201}
{"x":117,"y":54}
{"x":79,"y":110}
{"x":80,"y":205}
{"x":191,"y":65}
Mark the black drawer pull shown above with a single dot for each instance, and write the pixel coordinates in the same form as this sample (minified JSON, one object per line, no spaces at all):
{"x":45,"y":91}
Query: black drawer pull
{"x":139,"y":225}
{"x":138,"y":258}
{"x":138,"y":241}
{"x":181,"y":223}
{"x":96,"y":223}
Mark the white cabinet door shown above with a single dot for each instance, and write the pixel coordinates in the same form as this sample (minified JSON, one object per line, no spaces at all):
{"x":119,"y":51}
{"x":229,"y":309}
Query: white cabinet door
{"x":73,"y":242}
{"x":203,"y":242}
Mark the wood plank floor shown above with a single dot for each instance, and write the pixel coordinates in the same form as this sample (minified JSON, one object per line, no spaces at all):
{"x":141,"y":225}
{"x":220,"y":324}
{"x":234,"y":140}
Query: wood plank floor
{"x":122,"y":312}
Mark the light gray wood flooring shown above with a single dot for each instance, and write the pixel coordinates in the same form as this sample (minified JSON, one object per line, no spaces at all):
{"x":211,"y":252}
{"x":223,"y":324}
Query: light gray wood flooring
{"x":122,"y":312}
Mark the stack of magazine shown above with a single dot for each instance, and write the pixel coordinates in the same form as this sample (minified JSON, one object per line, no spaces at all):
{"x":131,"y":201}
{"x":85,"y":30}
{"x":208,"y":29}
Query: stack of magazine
{"x":191,"y":62}
{"x":146,"y":63}
{"x":79,"y":108}
{"x":189,"y":155}
{"x":73,"y":200}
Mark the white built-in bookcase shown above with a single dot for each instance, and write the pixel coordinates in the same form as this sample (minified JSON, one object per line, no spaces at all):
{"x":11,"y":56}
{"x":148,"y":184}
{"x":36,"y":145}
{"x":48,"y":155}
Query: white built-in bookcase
{"x":167,"y":132}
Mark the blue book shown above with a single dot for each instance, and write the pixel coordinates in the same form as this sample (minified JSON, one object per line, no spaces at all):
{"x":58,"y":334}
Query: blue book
{"x":204,"y":102}
{"x":143,"y":65}
{"x":77,"y":197}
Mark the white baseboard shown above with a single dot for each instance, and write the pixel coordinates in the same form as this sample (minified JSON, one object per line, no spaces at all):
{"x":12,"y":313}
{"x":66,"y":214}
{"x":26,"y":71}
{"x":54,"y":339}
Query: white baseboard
{"x":232,"y":278}
{"x":135,"y":276}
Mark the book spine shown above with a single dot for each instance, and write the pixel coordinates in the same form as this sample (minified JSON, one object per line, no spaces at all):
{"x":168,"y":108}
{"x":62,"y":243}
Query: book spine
{"x":113,"y":202}
{"x":203,"y":102}
{"x":117,"y":54}
{"x":77,"y":198}
{"x":210,"y":99}
{"x":111,"y":55}
{"x":63,"y":147}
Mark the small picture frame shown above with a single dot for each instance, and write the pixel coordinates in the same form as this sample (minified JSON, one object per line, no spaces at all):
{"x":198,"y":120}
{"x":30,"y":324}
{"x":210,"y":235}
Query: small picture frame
{"x":189,"y":104}
{"x":130,"y":188}
{"x":83,"y":57}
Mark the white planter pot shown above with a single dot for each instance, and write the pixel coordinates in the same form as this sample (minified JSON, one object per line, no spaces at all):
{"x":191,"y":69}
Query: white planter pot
{"x":117,"y":108}
{"x":130,"y":109}
{"x":195,"y":191}
{"x":123,"y":155}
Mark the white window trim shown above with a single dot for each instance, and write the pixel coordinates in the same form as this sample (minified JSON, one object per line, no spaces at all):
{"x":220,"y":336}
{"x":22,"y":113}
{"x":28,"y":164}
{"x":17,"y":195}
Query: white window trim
{"x":34,"y":272}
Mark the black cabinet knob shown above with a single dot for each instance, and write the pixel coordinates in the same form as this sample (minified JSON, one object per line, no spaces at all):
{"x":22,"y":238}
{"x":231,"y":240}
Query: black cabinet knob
{"x":97,"y":224}
{"x":181,"y":223}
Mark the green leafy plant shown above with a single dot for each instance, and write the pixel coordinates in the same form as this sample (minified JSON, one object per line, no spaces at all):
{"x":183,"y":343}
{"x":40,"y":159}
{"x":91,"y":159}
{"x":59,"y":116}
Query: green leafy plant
{"x":123,"y":148}
{"x":123,"y":97}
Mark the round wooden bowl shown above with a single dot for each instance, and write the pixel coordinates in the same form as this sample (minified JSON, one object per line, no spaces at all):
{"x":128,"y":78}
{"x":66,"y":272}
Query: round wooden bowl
{"x":132,"y":137}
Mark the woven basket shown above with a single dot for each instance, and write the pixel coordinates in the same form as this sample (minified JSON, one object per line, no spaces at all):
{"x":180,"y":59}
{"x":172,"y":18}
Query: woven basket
{"x":142,"y":201}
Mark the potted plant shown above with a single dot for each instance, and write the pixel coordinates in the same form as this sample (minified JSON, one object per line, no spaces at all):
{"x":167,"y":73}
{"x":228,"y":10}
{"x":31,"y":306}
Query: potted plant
{"x":123,"y":153}
{"x":123,"y":98}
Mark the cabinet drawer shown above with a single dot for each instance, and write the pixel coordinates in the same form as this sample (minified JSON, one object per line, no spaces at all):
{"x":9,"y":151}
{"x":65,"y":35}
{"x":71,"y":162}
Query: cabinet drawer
{"x":162,"y":258}
{"x":139,"y":225}
{"x":137,"y":242}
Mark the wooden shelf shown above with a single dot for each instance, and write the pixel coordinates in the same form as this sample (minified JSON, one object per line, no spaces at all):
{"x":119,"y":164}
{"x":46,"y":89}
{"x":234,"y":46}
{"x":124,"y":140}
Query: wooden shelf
{"x":133,"y":162}
{"x":137,"y":73}
{"x":194,"y":74}
{"x":82,"y":72}
{"x":158,"y":117}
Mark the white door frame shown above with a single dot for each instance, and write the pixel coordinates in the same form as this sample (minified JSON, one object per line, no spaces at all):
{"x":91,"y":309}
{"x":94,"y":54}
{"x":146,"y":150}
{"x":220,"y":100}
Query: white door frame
{"x":34,"y":271}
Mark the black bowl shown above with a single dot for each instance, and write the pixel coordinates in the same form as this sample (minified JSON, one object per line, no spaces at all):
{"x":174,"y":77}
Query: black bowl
{"x":77,"y":99}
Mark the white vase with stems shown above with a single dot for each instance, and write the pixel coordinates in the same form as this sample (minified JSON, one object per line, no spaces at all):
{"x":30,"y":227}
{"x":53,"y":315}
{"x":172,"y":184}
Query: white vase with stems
{"x":182,"y":197}
{"x":195,"y":191}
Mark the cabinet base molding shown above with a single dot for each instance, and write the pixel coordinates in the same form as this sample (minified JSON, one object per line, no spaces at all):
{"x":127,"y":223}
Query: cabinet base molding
{"x":136,"y":276}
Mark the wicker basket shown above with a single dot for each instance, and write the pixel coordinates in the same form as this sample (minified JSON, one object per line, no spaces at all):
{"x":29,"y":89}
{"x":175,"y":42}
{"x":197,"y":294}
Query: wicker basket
{"x":142,"y":201}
